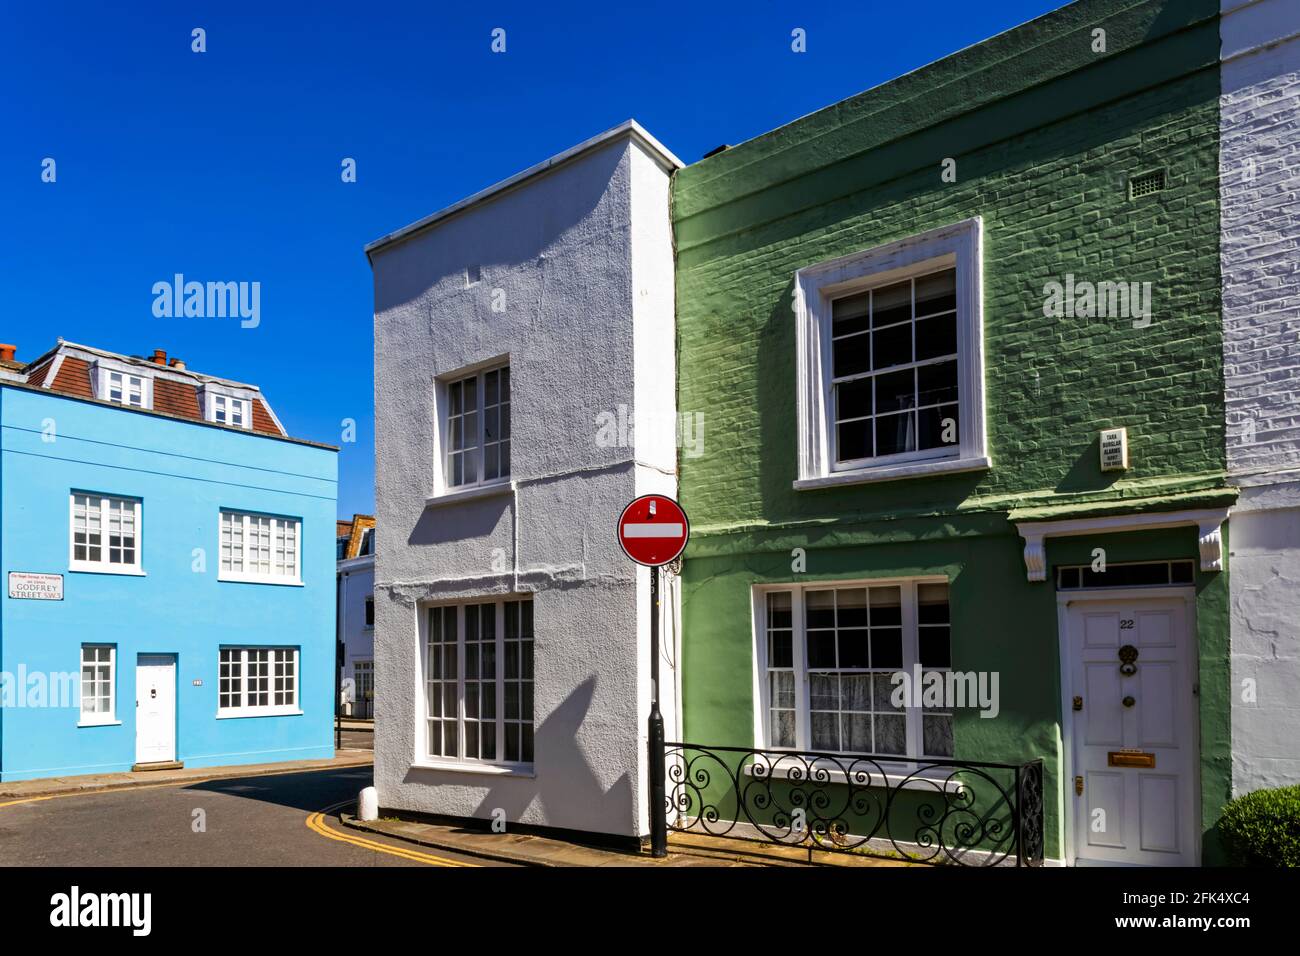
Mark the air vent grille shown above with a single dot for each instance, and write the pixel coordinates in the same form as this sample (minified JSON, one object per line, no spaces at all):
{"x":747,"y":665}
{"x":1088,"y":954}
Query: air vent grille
{"x":1144,"y":184}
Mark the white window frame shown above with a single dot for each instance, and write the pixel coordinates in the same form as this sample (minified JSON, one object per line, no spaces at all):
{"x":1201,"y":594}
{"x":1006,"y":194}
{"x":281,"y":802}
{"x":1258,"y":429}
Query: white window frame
{"x":422,"y":756}
{"x":103,"y":565}
{"x":271,"y":708}
{"x":278,"y":525}
{"x":803,"y":722}
{"x":103,"y":385}
{"x":98,"y":718}
{"x":214,"y":398}
{"x":442,"y":431}
{"x":957,"y":246}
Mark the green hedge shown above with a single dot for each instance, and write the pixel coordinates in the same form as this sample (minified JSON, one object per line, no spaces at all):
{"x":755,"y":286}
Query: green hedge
{"x":1263,"y":828}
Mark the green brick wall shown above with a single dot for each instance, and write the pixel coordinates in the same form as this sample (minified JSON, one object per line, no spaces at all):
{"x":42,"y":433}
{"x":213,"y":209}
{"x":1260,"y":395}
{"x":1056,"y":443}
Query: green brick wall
{"x":1054,"y":200}
{"x":1045,"y":133}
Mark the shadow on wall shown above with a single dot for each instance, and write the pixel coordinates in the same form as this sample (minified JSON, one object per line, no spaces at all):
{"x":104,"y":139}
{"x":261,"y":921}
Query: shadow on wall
{"x":582,"y":803}
{"x":1086,"y":474}
{"x":514,"y":227}
{"x":473,"y":519}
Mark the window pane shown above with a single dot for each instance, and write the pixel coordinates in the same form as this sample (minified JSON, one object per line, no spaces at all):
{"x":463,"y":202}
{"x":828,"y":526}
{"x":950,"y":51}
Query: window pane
{"x":886,"y":609}
{"x":896,"y":433}
{"x":936,"y":337}
{"x":825,"y":731}
{"x":891,"y":346}
{"x":937,"y":384}
{"x":934,"y":649}
{"x":851,"y":356}
{"x":896,"y":390}
{"x":938,"y":427}
{"x":821,"y":648}
{"x":850,"y":314}
{"x":851,"y":607}
{"x":936,"y":293}
{"x":778,"y":610}
{"x":887,"y":647}
{"x":891,"y":734}
{"x":819,"y":609}
{"x":892,"y":303}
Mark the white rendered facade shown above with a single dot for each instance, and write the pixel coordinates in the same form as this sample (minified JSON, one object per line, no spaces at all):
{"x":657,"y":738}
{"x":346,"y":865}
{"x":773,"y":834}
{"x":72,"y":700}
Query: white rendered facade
{"x":564,"y":275}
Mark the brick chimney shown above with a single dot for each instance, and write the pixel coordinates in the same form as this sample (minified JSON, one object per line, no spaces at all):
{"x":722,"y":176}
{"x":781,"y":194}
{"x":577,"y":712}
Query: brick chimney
{"x":177,"y":364}
{"x":7,"y":352}
{"x":159,"y":357}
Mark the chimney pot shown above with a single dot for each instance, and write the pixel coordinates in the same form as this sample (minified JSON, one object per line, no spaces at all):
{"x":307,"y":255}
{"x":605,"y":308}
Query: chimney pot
{"x":7,"y":352}
{"x":178,"y":364}
{"x":159,"y":357}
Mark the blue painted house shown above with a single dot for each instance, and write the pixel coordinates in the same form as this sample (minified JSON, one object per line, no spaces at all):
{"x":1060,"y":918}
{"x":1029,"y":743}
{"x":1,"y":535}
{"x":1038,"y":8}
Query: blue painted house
{"x":168,"y":558}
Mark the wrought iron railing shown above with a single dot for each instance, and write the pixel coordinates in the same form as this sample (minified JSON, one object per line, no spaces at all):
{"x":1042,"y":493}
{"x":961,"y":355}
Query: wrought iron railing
{"x":925,"y":810}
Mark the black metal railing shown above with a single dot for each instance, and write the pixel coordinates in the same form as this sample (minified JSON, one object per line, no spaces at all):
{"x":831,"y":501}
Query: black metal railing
{"x":923,"y":810}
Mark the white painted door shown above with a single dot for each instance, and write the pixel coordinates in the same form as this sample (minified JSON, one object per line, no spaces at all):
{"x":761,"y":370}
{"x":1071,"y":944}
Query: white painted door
{"x":155,"y":708}
{"x":1134,"y":734}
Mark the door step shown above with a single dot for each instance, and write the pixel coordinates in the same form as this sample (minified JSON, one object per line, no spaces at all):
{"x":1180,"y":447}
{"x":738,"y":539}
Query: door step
{"x":158,"y":765}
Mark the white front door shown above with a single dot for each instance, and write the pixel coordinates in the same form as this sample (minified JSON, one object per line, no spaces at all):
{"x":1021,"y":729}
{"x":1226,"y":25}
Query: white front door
{"x":155,"y":708}
{"x":1134,"y":749}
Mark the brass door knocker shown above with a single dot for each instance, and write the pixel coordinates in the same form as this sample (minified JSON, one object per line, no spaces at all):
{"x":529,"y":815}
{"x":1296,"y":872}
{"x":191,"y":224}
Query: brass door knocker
{"x":1127,"y":655}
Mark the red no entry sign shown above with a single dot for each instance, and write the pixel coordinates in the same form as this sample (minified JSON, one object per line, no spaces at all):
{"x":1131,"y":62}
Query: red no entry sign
{"x":653,"y":530}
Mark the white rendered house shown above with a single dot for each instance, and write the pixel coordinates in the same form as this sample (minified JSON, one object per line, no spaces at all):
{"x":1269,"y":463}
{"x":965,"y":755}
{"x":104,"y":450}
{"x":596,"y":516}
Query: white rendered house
{"x":355,"y":542}
{"x":511,"y":633}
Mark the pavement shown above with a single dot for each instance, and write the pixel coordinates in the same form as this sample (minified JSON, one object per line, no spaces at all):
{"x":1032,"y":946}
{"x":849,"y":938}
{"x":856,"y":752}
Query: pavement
{"x":83,"y":783}
{"x":284,"y":818}
{"x":522,"y":849}
{"x":527,"y":849}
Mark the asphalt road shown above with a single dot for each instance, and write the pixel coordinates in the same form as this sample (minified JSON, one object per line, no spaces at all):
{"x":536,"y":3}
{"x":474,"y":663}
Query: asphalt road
{"x":247,"y":821}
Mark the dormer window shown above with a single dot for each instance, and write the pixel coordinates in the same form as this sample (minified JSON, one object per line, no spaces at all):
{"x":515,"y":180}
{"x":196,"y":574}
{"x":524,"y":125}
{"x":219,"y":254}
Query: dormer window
{"x":228,"y":410}
{"x":123,"y":388}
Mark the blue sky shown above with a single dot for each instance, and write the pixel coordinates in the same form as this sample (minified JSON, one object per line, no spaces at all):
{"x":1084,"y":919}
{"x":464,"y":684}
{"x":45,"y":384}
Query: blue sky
{"x":225,"y":165}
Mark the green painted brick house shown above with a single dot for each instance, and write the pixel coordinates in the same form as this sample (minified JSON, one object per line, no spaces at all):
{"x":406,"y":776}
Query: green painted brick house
{"x":908,"y":319}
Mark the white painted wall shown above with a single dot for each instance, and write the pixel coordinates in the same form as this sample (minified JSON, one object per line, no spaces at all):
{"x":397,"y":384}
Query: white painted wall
{"x":581,"y":250}
{"x":1260,"y":258}
{"x":356,"y":583}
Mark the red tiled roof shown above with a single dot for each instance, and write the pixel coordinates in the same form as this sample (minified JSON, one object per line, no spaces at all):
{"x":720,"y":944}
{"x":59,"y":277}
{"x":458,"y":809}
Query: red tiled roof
{"x":178,"y":394}
{"x":175,"y":398}
{"x":73,"y":378}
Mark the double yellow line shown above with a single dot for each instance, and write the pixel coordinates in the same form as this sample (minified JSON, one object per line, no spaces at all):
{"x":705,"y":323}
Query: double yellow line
{"x":316,"y":823}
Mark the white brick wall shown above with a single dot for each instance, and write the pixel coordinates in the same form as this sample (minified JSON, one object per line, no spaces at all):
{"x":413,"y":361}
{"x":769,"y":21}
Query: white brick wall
{"x":1260,"y":252}
{"x":1260,"y":256}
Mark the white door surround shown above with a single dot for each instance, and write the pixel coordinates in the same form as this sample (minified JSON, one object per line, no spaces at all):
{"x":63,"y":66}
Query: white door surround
{"x":155,"y":708}
{"x":1208,"y":523}
{"x":1134,"y":742}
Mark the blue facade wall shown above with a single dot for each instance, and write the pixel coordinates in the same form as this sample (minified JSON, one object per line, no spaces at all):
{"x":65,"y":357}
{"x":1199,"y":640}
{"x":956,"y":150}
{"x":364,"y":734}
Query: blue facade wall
{"x":185,"y":474}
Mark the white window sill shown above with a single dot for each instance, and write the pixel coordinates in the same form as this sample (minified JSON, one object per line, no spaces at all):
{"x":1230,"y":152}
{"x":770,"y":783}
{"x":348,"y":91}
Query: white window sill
{"x":259,"y":712}
{"x":909,"y":469}
{"x":893,"y":775}
{"x":489,"y":769}
{"x":260,"y":579}
{"x":99,"y":723}
{"x":105,"y":569}
{"x":472,"y":493}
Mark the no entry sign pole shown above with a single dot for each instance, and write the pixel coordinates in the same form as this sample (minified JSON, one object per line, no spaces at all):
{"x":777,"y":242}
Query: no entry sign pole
{"x":658,"y":784}
{"x":652,"y":531}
